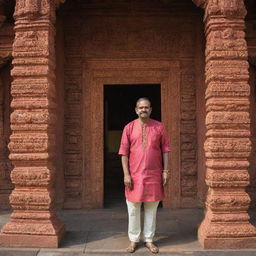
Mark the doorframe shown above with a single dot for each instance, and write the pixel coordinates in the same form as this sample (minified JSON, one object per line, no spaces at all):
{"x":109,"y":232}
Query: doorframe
{"x":97,"y":73}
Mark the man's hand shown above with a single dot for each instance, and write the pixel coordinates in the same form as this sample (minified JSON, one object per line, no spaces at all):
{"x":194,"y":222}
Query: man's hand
{"x":165,"y":177}
{"x":128,"y":181}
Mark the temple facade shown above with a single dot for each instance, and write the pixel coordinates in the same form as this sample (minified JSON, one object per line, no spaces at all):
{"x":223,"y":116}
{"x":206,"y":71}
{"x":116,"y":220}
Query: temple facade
{"x":70,"y":74}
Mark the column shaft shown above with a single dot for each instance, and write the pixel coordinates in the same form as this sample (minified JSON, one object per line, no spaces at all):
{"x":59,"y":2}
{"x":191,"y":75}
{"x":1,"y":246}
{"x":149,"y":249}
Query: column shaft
{"x":32,"y":142}
{"x":226,"y":224}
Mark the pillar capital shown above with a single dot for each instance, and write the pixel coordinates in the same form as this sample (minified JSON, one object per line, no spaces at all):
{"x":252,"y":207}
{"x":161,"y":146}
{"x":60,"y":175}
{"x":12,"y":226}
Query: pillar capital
{"x":31,"y":9}
{"x":229,"y":9}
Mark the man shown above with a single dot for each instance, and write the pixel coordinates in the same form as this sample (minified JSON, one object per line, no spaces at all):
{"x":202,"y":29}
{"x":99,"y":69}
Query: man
{"x":144,"y":149}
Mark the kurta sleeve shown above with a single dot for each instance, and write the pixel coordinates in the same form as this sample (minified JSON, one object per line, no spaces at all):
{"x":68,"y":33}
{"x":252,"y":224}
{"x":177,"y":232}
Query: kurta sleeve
{"x":125,"y":143}
{"x":165,"y":146}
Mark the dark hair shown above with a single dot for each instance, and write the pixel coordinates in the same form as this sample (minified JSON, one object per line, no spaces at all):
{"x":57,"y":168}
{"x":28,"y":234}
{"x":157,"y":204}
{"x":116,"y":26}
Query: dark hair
{"x":142,"y":99}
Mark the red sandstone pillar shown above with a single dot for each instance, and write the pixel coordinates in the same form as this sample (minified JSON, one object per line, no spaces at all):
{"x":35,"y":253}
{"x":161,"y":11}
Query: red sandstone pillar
{"x":226,"y":224}
{"x":32,"y":142}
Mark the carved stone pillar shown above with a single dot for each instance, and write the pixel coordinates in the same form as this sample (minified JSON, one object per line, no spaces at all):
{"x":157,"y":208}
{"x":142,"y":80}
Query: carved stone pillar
{"x":32,"y":142}
{"x":226,"y":224}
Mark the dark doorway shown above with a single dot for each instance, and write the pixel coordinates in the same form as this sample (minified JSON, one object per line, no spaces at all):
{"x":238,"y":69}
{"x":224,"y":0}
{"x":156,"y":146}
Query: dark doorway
{"x":119,"y":104}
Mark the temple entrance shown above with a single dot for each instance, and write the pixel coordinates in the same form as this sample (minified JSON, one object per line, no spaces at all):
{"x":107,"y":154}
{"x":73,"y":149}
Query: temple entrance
{"x":120,"y":83}
{"x":119,"y":103}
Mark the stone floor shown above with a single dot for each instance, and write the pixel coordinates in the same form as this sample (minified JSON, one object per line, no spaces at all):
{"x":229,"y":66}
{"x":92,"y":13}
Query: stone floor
{"x":103,"y":232}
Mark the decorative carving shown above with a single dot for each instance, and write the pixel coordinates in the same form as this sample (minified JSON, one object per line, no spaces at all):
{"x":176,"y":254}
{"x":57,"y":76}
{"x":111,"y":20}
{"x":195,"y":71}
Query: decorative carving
{"x":33,"y":9}
{"x":229,"y":9}
{"x":32,"y":142}
{"x":31,"y":176}
{"x":227,"y":178}
{"x":27,"y":8}
{"x":226,"y":39}
{"x":30,"y":198}
{"x":228,"y":144}
{"x":229,"y":202}
{"x":188,"y":136}
{"x":31,"y":42}
{"x":21,"y":143}
{"x":228,"y":118}
{"x":32,"y":117}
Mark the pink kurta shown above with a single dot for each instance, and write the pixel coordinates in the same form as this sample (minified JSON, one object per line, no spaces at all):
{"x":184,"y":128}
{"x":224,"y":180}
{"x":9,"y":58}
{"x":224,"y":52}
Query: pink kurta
{"x":144,"y":145}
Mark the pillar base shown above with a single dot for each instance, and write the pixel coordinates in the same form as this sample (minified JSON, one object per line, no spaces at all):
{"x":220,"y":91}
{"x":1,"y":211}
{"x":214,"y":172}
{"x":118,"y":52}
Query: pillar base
{"x":228,"y":243}
{"x":244,"y":241}
{"x":31,"y":241}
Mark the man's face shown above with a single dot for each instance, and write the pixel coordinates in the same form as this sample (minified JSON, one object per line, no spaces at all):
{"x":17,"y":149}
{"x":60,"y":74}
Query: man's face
{"x":143,"y":109}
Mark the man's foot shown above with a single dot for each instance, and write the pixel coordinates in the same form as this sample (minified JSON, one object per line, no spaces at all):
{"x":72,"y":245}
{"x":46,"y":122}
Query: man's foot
{"x":132,"y":247}
{"x":152,"y":247}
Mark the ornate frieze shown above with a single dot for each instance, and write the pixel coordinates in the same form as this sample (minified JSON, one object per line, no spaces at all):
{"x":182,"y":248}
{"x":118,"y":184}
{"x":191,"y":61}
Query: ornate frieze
{"x":31,"y":143}
{"x":33,"y":117}
{"x":31,"y":176}
{"x":31,"y":198}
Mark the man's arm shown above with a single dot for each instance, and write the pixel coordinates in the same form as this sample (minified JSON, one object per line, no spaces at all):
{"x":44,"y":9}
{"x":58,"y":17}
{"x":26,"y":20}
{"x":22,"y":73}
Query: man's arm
{"x":165,"y":174}
{"x":127,"y":176}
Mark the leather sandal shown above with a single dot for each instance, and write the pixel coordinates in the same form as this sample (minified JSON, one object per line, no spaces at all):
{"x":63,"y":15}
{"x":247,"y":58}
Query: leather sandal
{"x":131,"y":248}
{"x":154,"y":249}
